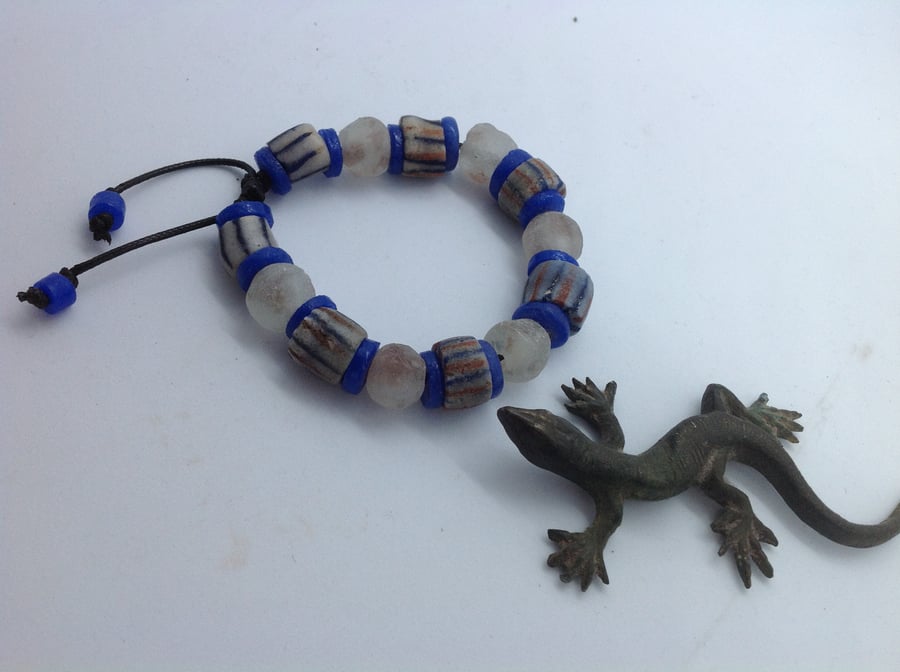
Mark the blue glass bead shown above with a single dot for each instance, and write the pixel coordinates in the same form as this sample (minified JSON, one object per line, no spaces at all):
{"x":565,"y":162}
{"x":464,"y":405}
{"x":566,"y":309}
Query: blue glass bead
{"x":395,"y":166}
{"x":550,"y":255}
{"x":265,"y":159}
{"x":451,"y":142}
{"x":433,"y":396}
{"x":495,"y":368}
{"x":245,"y":209}
{"x":355,"y":376}
{"x":503,"y":170}
{"x":319,"y":301}
{"x":333,"y":143}
{"x":110,"y":203}
{"x":550,"y":316}
{"x":257,"y":261}
{"x":59,"y":291}
{"x":549,"y":200}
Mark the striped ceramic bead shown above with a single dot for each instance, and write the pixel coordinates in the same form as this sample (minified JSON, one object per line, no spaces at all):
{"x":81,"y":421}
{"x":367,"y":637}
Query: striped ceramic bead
{"x":424,"y":148}
{"x":299,"y":152}
{"x":326,"y":342}
{"x":244,"y":228}
{"x":526,"y":187}
{"x":563,"y":284}
{"x":470,"y":369}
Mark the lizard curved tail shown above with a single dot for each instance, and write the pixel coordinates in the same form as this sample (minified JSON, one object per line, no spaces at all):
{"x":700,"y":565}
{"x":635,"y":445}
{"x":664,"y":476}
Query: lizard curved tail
{"x":781,"y":471}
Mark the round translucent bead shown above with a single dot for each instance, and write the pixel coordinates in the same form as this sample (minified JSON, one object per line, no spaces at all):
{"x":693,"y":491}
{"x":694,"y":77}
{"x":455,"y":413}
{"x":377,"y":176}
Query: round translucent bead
{"x":276,"y":292}
{"x":396,"y":377}
{"x":552,"y":231}
{"x":483,"y":149}
{"x":524,"y":346}
{"x":366,"y":146}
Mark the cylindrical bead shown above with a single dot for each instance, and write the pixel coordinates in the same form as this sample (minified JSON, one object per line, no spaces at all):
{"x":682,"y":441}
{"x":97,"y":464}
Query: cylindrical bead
{"x":366,"y":147}
{"x":326,"y":342}
{"x":429,"y":147}
{"x":552,"y":231}
{"x":471,"y":372}
{"x":319,"y":301}
{"x":524,"y":347}
{"x":244,"y":228}
{"x":396,"y":377}
{"x":301,"y":151}
{"x":525,"y":187}
{"x":563,"y":284}
{"x":482,"y":151}
{"x":275,"y":293}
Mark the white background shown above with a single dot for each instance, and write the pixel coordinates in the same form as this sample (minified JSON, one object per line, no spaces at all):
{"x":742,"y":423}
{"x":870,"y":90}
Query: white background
{"x":176,"y":494}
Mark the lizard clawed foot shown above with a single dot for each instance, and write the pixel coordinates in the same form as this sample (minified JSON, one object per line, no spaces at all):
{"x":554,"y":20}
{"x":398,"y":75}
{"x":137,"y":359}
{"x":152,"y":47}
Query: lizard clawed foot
{"x":744,"y":535}
{"x":580,"y":556}
{"x":585,"y":398}
{"x":778,"y":421}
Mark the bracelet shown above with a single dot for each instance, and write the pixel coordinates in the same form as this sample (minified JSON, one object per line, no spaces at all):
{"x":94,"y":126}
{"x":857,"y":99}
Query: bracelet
{"x":456,"y":373}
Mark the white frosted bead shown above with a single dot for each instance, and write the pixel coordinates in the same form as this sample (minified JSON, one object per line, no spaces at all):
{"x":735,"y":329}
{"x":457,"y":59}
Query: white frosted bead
{"x":482,"y":150}
{"x":366,"y":147}
{"x":276,"y":292}
{"x":552,"y":231}
{"x":396,"y":377}
{"x":524,"y":346}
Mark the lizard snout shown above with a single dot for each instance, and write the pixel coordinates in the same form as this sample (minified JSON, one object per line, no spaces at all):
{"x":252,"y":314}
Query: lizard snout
{"x":519,"y":423}
{"x":532,"y":432}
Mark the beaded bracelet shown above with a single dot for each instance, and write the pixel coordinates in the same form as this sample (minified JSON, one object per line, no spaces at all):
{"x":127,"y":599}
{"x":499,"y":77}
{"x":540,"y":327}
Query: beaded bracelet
{"x":458,"y":372}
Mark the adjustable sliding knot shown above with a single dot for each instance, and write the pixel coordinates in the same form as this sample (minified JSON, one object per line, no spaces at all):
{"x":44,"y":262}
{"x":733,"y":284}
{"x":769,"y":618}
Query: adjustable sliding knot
{"x":255,"y":186}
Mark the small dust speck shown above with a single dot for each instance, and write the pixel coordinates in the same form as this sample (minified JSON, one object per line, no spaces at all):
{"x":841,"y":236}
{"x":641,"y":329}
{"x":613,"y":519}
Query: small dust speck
{"x":574,"y":19}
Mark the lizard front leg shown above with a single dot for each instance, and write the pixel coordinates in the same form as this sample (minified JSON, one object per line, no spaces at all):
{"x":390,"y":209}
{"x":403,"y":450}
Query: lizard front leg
{"x":580,"y":554}
{"x":595,"y":406}
{"x":742,"y":532}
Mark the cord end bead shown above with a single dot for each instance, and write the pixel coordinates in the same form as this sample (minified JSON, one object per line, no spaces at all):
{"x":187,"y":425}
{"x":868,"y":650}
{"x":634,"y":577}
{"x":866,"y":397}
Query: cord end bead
{"x":106,"y":213}
{"x":51,"y":293}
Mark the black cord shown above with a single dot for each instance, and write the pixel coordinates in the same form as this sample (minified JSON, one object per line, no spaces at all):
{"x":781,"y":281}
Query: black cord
{"x":183,"y":165}
{"x":93,"y":262}
{"x":254,"y":186}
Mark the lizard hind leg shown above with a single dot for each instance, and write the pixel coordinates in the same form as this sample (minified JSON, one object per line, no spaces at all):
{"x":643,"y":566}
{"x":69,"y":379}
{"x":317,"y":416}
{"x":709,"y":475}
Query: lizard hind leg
{"x":742,"y":532}
{"x":779,"y":422}
{"x":580,"y":554}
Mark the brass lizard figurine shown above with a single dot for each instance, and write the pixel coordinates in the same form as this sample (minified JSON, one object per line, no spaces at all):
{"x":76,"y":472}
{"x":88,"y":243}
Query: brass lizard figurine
{"x":693,"y":453}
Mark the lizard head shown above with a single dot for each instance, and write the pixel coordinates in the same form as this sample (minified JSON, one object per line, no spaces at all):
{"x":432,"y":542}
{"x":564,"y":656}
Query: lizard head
{"x":546,"y":440}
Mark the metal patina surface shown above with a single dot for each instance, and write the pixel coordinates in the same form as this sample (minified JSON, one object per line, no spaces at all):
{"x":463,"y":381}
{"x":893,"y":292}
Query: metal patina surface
{"x":693,"y":453}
